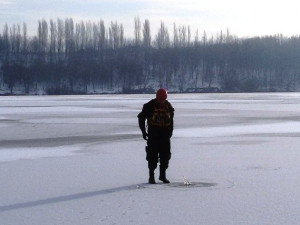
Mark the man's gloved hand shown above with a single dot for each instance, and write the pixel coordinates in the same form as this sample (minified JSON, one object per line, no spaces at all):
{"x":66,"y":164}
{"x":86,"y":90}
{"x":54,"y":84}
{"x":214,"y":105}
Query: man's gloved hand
{"x":171,"y":134}
{"x":145,"y":135}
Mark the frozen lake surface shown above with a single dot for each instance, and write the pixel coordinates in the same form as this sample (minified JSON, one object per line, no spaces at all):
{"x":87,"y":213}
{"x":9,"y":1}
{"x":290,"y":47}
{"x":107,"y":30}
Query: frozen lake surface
{"x":71,"y":160}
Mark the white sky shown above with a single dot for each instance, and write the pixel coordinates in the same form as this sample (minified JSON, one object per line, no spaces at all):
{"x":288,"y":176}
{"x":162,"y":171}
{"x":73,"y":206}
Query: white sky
{"x":243,"y":18}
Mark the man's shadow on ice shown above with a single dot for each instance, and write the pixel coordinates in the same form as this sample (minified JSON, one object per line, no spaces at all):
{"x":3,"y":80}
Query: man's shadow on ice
{"x":68,"y":198}
{"x":102,"y":192}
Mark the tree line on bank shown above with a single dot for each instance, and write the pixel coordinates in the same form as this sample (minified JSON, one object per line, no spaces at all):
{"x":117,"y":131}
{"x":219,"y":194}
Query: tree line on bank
{"x":65,"y":57}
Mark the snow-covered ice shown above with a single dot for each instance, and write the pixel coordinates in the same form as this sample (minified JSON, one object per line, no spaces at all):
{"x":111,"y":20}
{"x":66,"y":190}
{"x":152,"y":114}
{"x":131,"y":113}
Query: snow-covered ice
{"x":71,"y":160}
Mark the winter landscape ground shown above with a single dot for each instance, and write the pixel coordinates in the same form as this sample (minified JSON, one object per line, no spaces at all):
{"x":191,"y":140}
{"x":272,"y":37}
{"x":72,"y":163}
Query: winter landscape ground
{"x":80,"y":160}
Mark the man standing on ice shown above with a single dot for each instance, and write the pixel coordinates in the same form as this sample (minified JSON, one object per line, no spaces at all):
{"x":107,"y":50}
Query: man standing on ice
{"x":159,"y":114}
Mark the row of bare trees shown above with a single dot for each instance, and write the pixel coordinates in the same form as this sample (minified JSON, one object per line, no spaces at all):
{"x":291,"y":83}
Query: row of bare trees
{"x":67,"y":36}
{"x":68,"y":57}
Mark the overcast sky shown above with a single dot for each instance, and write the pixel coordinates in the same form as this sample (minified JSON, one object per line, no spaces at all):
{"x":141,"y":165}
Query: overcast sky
{"x":244,"y":18}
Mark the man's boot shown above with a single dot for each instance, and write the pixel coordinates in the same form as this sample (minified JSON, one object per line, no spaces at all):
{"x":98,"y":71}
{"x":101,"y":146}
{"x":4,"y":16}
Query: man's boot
{"x":151,"y":177}
{"x":162,"y":175}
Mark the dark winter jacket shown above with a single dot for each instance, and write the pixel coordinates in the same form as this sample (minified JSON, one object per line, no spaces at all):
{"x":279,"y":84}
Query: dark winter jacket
{"x":159,"y":119}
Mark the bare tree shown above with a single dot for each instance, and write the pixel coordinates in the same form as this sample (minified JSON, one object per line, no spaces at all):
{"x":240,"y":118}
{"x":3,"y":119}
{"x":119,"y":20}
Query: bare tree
{"x":189,"y":36}
{"x":25,"y":38}
{"x":95,"y":37}
{"x":137,"y":31}
{"x":82,"y":37}
{"x":43,"y":35}
{"x":77,"y":37}
{"x":147,"y":34}
{"x":196,"y":40}
{"x":122,"y":40}
{"x":162,"y":37}
{"x":6,"y":42}
{"x":116,"y":33}
{"x":60,"y":35}
{"x":204,"y":38}
{"x":12,"y":37}
{"x":53,"y":37}
{"x":176,"y":38}
{"x":182,"y":36}
{"x":18,"y":39}
{"x":102,"y":34}
{"x":69,"y":36}
{"x":89,"y":35}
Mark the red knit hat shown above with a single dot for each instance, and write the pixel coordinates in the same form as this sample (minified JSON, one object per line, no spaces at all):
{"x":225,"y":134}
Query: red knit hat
{"x":161,"y":94}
